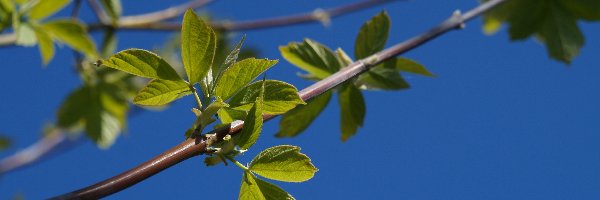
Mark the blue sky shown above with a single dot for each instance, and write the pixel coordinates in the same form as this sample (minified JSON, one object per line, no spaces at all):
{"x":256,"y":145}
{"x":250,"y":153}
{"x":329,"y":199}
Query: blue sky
{"x":500,"y":121}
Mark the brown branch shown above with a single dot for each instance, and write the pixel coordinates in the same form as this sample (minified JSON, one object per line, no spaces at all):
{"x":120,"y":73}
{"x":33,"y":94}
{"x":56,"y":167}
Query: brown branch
{"x":193,"y":147}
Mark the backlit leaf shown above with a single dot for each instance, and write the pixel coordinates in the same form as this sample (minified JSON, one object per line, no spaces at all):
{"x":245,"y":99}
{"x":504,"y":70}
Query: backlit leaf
{"x":407,"y":65}
{"x":279,"y":97}
{"x":198,"y":44}
{"x":255,"y":189}
{"x":212,"y":109}
{"x":312,"y":57}
{"x":372,"y":36}
{"x":298,"y":119}
{"x":73,"y":34}
{"x":239,"y":75}
{"x":352,"y":110}
{"x":283,"y":163}
{"x":142,"y":63}
{"x":26,"y":35}
{"x":382,"y":77}
{"x":228,"y":115}
{"x":160,"y":92}
{"x":252,"y":126}
{"x":45,"y":8}
{"x":45,"y":45}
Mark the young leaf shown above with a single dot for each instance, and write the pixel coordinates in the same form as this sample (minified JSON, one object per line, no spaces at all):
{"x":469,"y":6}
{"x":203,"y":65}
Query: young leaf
{"x":352,"y":108}
{"x":279,"y":97}
{"x":283,"y":163}
{"x":102,"y":127}
{"x":255,"y":189}
{"x":160,"y":92}
{"x":296,"y":120}
{"x":407,"y":65}
{"x":228,"y":115}
{"x":212,"y":109}
{"x":252,"y":126}
{"x":45,"y":8}
{"x":142,"y":63}
{"x":561,"y":34}
{"x":45,"y":45}
{"x":73,"y":107}
{"x":72,"y":33}
{"x":239,"y":75}
{"x":113,"y":9}
{"x":229,"y":60}
{"x":198,"y":45}
{"x":372,"y":36}
{"x":312,"y":57}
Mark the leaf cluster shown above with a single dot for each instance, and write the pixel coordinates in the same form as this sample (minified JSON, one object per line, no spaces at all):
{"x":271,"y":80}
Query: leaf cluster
{"x":320,"y":62}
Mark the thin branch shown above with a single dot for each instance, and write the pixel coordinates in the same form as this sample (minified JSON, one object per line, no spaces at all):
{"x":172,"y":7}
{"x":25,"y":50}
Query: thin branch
{"x":34,"y":152}
{"x":169,"y":13}
{"x":99,"y":12}
{"x":197,"y":146}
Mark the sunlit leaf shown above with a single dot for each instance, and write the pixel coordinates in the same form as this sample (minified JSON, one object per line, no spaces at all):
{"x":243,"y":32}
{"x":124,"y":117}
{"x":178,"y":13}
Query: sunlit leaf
{"x":408,"y":65}
{"x":229,"y":60}
{"x":239,"y":75}
{"x":142,"y":63}
{"x":283,"y":163}
{"x":45,"y":45}
{"x":26,"y":35}
{"x":382,"y":77}
{"x":252,"y":126}
{"x":312,"y":57}
{"x":212,"y":109}
{"x":160,"y":92}
{"x":352,"y":110}
{"x":372,"y":36}
{"x":73,"y":34}
{"x":255,"y":189}
{"x":298,"y":119}
{"x":45,"y":8}
{"x":198,"y":44}
{"x":228,"y":115}
{"x":279,"y":97}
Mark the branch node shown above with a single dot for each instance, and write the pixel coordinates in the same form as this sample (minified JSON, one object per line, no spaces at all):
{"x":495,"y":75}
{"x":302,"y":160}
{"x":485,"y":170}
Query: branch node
{"x":457,"y":15}
{"x":322,"y":16}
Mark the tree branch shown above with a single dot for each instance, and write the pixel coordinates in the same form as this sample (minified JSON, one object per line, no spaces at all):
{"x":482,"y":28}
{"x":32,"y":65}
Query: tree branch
{"x":197,"y":146}
{"x":169,"y":13}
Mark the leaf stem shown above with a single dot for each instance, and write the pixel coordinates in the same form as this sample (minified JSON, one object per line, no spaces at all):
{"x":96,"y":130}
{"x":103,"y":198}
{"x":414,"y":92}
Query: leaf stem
{"x":196,"y":97}
{"x":240,"y":165}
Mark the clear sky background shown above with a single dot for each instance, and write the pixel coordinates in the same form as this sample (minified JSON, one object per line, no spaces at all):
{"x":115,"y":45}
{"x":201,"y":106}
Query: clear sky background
{"x":500,"y":121}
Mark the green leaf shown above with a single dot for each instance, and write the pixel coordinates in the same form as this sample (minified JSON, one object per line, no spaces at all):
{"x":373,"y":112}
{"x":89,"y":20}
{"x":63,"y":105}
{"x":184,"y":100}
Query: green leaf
{"x":553,"y":22}
{"x":229,"y":60}
{"x":160,"y":92}
{"x":239,"y":75}
{"x":408,"y":65}
{"x":283,"y":163}
{"x":45,"y":44}
{"x":312,"y":57}
{"x":343,"y":56}
{"x":26,"y":35}
{"x":279,"y":97}
{"x":228,"y":115}
{"x":372,"y":36}
{"x":298,"y":119}
{"x":252,"y":126}
{"x":213,"y":160}
{"x":72,"y":110}
{"x":198,"y":45}
{"x":73,"y":34}
{"x":352,"y":108}
{"x":255,"y":189}
{"x":382,"y":77}
{"x":109,"y":43}
{"x":45,"y":8}
{"x":212,"y":109}
{"x":585,"y":9}
{"x":4,"y":142}
{"x":561,"y":34}
{"x":113,"y":9}
{"x":142,"y":63}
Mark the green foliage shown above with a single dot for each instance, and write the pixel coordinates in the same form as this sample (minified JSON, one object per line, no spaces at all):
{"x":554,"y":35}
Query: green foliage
{"x":252,"y":124}
{"x":25,"y":35}
{"x":239,"y":75}
{"x":283,"y":163}
{"x":296,"y":120}
{"x":352,"y":110}
{"x":553,"y":22}
{"x":320,"y":62}
{"x":198,"y":44}
{"x":45,"y":45}
{"x":255,"y":189}
{"x":279,"y":97}
{"x":142,"y":63}
{"x":73,"y":33}
{"x":212,"y":109}
{"x":45,"y":8}
{"x":160,"y":92}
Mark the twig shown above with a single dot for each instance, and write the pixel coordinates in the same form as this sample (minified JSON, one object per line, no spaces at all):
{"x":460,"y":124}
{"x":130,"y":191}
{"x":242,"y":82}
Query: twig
{"x":169,"y":13}
{"x":99,"y":12}
{"x":194,"y":147}
{"x":33,"y":153}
